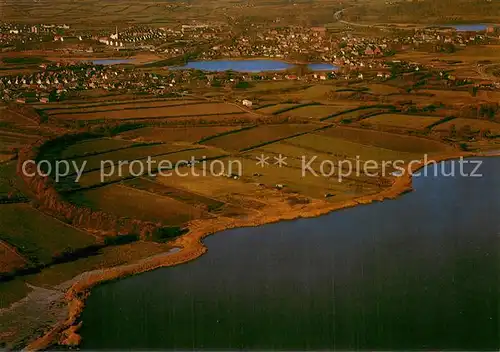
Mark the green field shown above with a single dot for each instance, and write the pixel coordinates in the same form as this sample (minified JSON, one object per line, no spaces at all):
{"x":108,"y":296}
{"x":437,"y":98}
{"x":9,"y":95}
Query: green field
{"x":36,"y":236}
{"x":134,"y":203}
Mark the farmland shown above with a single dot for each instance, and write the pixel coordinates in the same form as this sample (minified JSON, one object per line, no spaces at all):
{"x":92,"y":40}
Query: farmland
{"x":385,"y":140}
{"x":315,"y":111}
{"x":93,"y":146}
{"x":138,"y":204}
{"x":224,"y":162}
{"x":403,"y":121}
{"x":154,"y":112}
{"x":241,"y":140}
{"x":30,"y":238}
{"x":477,"y":125}
{"x":10,"y":260}
{"x":276,"y":108}
{"x":141,"y":104}
{"x":176,"y":134}
{"x":97,"y":174}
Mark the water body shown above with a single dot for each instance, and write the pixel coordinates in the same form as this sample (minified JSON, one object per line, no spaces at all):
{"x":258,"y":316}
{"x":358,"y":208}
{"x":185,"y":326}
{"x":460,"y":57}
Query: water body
{"x":112,"y":61}
{"x":250,"y":66}
{"x":418,"y":272}
{"x":478,"y":27}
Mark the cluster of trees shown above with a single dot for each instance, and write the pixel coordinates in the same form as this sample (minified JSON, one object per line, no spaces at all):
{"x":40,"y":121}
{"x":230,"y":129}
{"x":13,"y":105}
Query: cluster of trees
{"x":467,"y":133}
{"x":489,"y":111}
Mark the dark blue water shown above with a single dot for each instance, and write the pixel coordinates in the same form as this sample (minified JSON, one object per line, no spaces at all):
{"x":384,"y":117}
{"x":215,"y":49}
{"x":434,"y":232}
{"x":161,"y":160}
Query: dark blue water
{"x":478,"y":27}
{"x":250,"y":65}
{"x":419,"y":272}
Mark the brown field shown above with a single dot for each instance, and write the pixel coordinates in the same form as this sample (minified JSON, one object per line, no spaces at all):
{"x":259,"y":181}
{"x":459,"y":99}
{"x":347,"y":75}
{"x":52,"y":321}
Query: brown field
{"x":462,"y":97}
{"x":134,"y":203}
{"x":133,"y":153}
{"x":403,"y":121}
{"x":104,"y":100}
{"x":468,"y":55}
{"x":219,"y":188}
{"x":479,"y":125}
{"x":317,"y":92}
{"x":175,"y":111}
{"x":384,"y":140}
{"x":183,"y":196}
{"x":7,"y":177}
{"x":258,"y":135}
{"x":172,"y":134}
{"x":10,"y":140}
{"x":382,"y":89}
{"x":342,"y":148}
{"x":9,"y":258}
{"x":30,"y":238}
{"x":316,"y":111}
{"x":92,"y":146}
{"x":275,"y":108}
{"x":94,"y":177}
{"x":138,"y":104}
{"x":352,"y":115}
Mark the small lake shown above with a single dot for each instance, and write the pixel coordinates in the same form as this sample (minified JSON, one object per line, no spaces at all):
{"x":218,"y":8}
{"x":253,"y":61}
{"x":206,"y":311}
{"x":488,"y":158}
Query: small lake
{"x":112,"y":61}
{"x":466,"y":27}
{"x":250,"y":66}
{"x":416,"y":273}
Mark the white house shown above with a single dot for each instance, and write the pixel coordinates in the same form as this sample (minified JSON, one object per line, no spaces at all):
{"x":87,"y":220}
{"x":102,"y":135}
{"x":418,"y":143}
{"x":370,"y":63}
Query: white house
{"x":247,"y":103}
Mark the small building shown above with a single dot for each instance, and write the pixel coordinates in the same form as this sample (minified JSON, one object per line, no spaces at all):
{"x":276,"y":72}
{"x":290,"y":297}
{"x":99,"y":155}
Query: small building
{"x":247,"y":103}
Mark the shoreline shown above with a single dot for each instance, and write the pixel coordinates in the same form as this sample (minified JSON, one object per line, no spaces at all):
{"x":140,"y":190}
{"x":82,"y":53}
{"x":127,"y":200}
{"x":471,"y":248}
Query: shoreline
{"x":191,"y":247}
{"x":336,"y":66}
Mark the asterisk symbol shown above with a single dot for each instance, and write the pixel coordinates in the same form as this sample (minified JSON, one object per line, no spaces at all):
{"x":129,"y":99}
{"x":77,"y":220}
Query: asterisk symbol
{"x":262,"y":160}
{"x":280,"y":160}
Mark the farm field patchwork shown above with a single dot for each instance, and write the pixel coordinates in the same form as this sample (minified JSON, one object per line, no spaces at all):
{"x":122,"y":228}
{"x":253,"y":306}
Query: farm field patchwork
{"x":93,"y":178}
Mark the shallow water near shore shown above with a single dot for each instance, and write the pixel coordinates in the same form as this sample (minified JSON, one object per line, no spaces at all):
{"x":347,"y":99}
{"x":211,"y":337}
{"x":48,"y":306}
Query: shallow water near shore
{"x":256,"y":65}
{"x":475,"y":27}
{"x":418,"y":272}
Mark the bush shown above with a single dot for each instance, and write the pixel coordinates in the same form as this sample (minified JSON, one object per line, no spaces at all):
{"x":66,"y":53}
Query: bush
{"x":166,"y":233}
